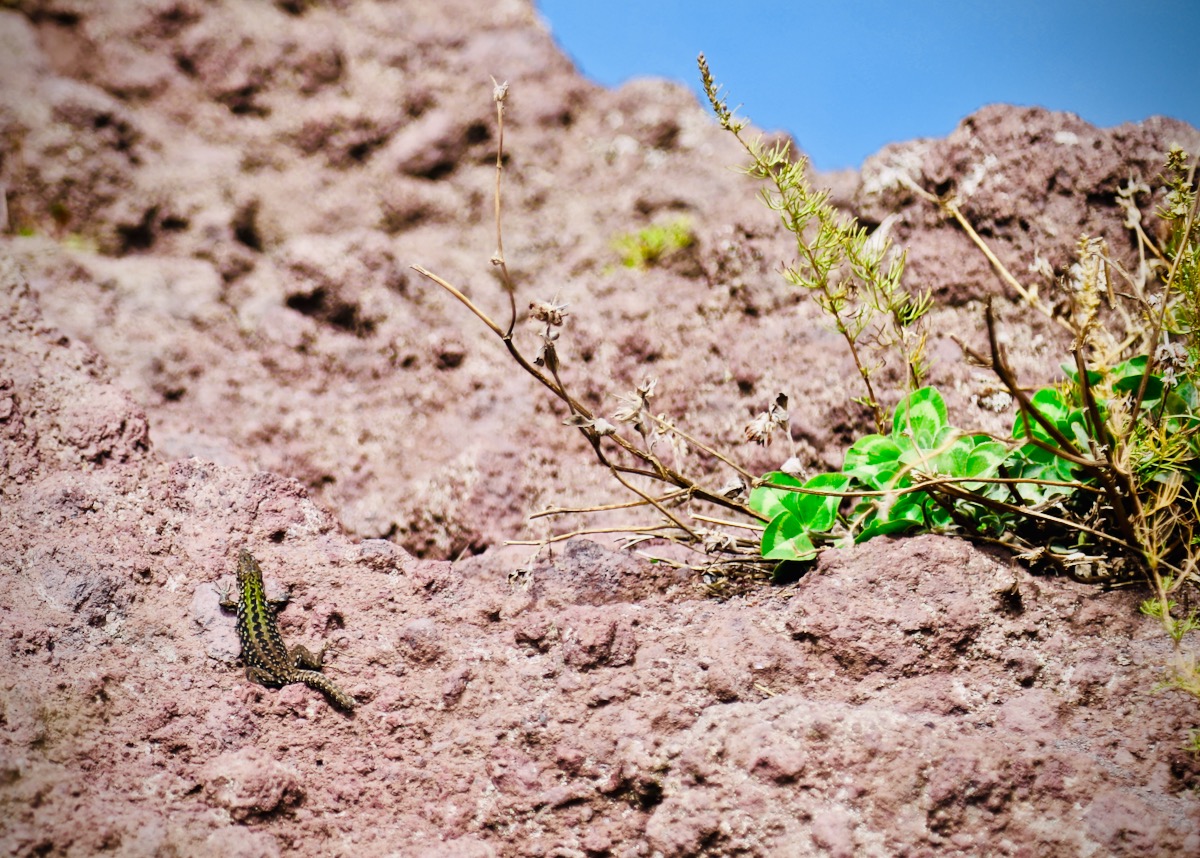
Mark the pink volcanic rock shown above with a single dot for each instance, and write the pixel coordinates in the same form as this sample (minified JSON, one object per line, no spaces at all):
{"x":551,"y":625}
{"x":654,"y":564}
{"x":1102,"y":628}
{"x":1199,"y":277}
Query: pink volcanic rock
{"x":210,"y":339}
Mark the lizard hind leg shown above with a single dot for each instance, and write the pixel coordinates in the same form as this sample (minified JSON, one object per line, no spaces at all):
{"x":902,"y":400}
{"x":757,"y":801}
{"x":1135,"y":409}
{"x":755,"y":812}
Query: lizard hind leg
{"x":302,"y":657}
{"x":262,"y":676}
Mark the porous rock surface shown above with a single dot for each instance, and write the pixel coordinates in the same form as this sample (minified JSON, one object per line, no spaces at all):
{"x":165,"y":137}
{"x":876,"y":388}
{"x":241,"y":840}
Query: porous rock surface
{"x":210,"y":337}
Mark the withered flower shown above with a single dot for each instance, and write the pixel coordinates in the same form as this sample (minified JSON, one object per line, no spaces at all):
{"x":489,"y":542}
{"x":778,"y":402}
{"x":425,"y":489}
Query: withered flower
{"x":765,"y":423}
{"x":760,"y":429}
{"x":547,"y":311}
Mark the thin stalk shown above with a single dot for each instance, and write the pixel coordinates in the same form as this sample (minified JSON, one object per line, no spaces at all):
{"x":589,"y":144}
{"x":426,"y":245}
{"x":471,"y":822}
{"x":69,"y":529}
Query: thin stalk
{"x":606,"y":507}
{"x":701,"y":446}
{"x":457,"y":293}
{"x":1156,"y":331}
{"x":950,"y":206}
{"x":933,"y":483}
{"x":725,"y":523}
{"x":589,"y":531}
{"x":499,"y":94}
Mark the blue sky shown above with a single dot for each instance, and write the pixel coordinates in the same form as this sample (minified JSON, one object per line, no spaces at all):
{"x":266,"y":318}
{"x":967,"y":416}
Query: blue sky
{"x":845,"y":77}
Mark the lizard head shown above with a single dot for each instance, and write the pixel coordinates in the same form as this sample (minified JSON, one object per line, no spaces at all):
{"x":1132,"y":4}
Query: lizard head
{"x":248,"y":569}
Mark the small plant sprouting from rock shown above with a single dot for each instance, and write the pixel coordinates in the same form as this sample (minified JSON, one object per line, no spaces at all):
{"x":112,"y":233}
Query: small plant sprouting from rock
{"x":655,"y":243}
{"x":1100,"y":476}
{"x":1098,"y":479}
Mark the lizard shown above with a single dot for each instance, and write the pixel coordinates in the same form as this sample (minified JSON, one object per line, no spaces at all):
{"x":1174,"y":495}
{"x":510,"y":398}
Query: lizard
{"x":268,"y":662}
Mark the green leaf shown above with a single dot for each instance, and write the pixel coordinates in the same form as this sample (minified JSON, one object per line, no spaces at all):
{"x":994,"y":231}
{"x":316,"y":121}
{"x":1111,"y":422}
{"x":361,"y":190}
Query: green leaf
{"x":895,"y":475}
{"x":1094,"y":376}
{"x":873,"y":460}
{"x":871,"y":449}
{"x":952,"y":461}
{"x":1079,"y":433}
{"x":985,"y":458}
{"x":769,"y":502}
{"x":1176,"y":405}
{"x":904,"y":513}
{"x":1030,"y":454}
{"x":909,"y":507}
{"x":817,"y":513}
{"x":881,"y":528}
{"x":1050,"y":404}
{"x":1130,"y":384}
{"x":1188,"y":392}
{"x":797,"y":516}
{"x":785,"y":539}
{"x":1132,"y":368}
{"x":1033,"y":463}
{"x":921,"y":416}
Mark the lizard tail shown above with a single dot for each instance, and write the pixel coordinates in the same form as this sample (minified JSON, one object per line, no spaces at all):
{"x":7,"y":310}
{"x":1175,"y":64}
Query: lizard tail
{"x":321,"y":682}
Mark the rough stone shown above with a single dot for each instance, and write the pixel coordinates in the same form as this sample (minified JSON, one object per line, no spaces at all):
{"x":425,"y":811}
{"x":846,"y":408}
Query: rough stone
{"x":210,"y":339}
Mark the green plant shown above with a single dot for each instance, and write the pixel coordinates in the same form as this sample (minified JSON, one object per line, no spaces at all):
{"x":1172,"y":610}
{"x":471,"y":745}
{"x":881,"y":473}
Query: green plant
{"x":1113,"y":446}
{"x":1097,"y":479}
{"x":927,"y":475}
{"x":885,"y":475}
{"x":1100,"y":478}
{"x":655,"y":243}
